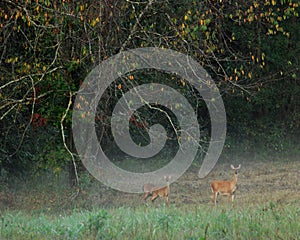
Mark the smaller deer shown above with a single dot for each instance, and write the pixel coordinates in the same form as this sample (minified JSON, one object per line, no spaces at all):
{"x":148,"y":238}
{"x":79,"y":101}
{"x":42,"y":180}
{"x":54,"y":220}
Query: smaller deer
{"x":163,"y":192}
{"x":225,"y":187}
{"x":147,"y":190}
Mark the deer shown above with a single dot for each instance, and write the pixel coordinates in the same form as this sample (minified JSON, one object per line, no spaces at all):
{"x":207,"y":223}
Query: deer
{"x":226,"y":187}
{"x":147,"y":190}
{"x":155,"y":192}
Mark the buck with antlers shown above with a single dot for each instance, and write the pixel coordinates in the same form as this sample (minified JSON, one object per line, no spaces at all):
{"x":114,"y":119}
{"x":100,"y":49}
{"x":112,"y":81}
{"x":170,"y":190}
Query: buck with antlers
{"x":155,"y":192}
{"x":225,"y":187}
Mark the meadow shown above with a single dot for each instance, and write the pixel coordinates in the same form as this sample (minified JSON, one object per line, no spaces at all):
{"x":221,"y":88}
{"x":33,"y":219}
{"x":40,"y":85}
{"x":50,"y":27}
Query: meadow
{"x":270,"y":221}
{"x":266,"y":207}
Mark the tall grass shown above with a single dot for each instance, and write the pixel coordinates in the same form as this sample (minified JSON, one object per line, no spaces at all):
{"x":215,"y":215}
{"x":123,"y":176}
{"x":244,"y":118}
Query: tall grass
{"x":270,"y":221}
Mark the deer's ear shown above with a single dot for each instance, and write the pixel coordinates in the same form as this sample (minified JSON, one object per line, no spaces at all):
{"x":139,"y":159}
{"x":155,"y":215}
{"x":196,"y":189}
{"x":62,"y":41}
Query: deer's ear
{"x":232,"y":166}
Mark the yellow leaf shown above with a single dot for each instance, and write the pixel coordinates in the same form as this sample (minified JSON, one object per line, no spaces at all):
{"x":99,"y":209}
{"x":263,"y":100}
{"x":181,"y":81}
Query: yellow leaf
{"x":93,"y":23}
{"x":270,"y":31}
{"x":78,"y":106}
{"x":57,"y":170}
{"x":119,"y":86}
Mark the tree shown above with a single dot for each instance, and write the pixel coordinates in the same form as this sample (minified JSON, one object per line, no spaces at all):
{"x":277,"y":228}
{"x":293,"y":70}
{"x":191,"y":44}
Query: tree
{"x":250,"y":48}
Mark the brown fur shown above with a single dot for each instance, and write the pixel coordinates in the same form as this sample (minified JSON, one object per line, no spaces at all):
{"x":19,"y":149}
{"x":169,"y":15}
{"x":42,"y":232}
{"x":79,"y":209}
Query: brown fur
{"x":163,"y":192}
{"x":225,"y":187}
{"x":147,"y":190}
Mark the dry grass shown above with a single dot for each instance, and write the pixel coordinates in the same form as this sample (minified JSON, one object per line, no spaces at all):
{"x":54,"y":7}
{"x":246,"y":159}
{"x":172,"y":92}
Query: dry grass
{"x":258,"y":183}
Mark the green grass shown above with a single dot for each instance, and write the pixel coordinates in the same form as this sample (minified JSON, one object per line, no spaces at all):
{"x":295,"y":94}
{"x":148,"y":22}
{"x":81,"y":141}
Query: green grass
{"x":270,"y":221}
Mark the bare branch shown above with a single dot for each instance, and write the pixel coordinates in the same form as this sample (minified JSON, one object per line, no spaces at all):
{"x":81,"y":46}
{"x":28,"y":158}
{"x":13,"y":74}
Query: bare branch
{"x":135,"y":26}
{"x":30,"y":120}
{"x":64,"y":139}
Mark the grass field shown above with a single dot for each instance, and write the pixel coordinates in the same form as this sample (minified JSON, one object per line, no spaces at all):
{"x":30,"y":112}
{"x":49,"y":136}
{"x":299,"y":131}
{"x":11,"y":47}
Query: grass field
{"x":269,"y":221}
{"x":267,"y":206}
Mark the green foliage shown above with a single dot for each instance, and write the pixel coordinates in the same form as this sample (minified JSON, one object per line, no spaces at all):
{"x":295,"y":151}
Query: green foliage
{"x":51,"y":157}
{"x":251,"y":50}
{"x":95,"y":223}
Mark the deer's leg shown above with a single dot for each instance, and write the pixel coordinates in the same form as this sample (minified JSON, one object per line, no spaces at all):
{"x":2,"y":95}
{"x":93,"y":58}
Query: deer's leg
{"x":215,"y":198}
{"x":229,"y":196}
{"x":167,"y":201}
{"x":232,"y":197}
{"x":154,"y":196}
{"x":146,"y":195}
